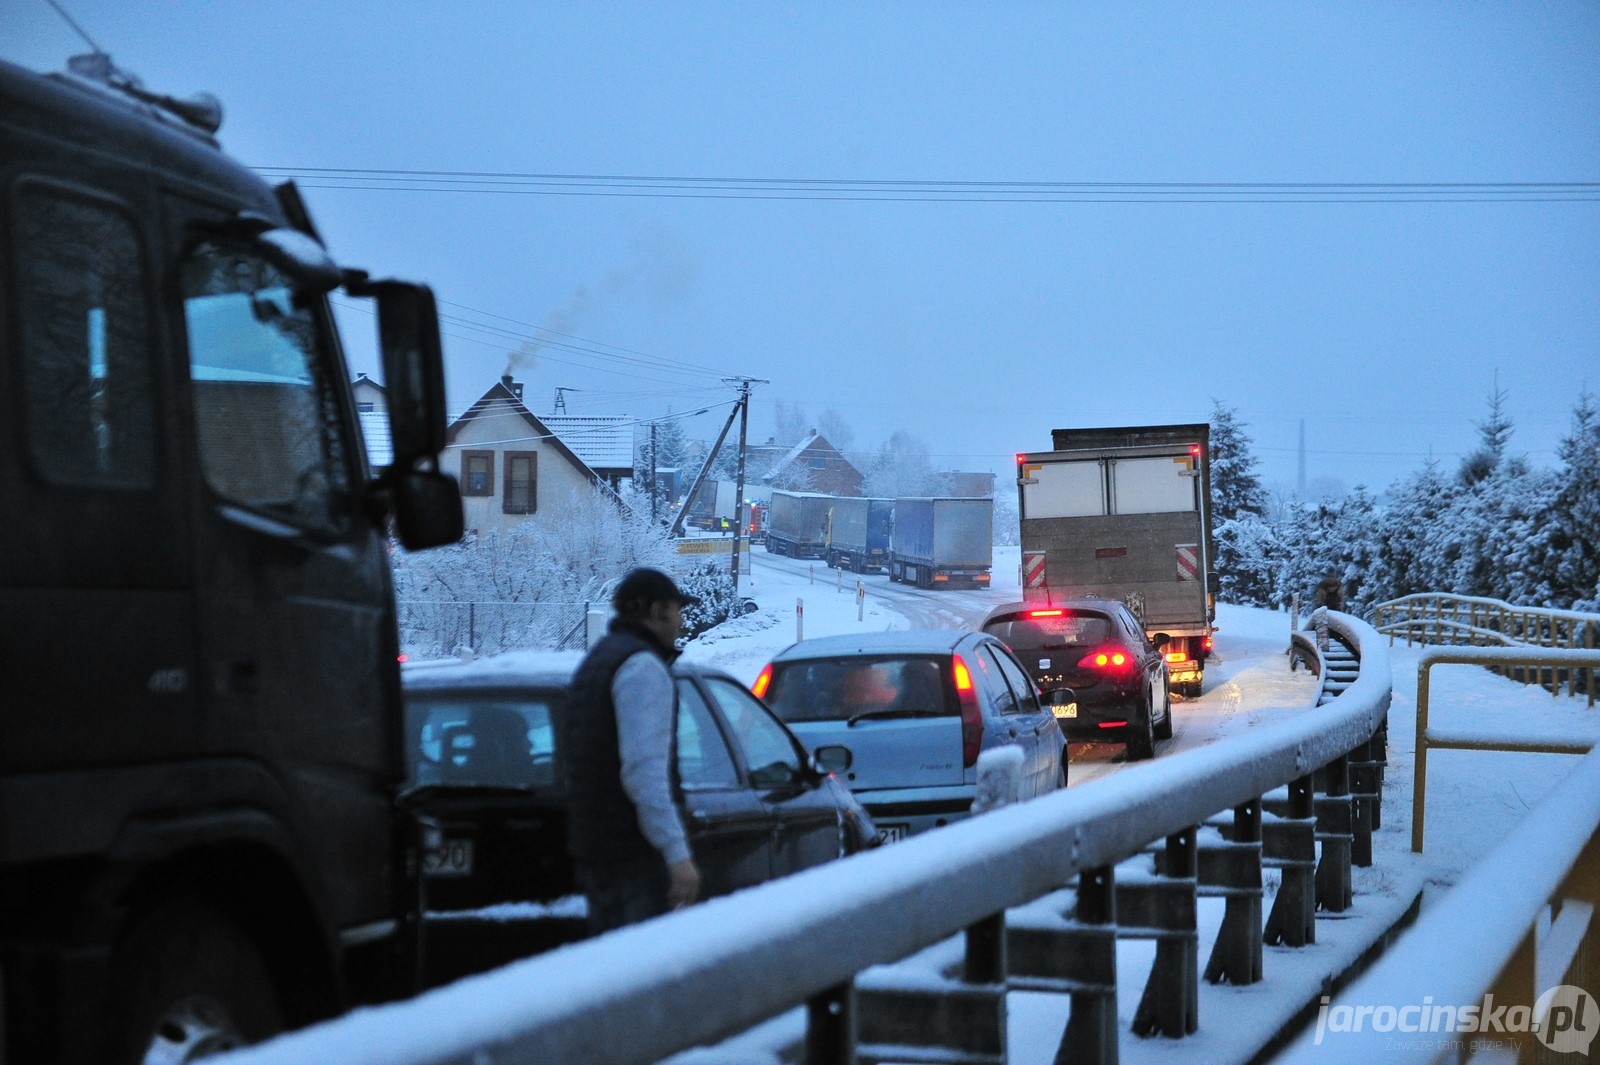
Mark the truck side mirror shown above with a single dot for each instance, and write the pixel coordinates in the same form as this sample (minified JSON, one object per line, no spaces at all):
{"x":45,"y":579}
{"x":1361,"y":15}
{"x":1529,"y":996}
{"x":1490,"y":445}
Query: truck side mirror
{"x":427,"y":509}
{"x":413,"y":366}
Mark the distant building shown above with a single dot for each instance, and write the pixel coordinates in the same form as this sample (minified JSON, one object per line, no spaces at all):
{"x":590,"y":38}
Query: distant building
{"x":372,"y":411}
{"x":508,"y":461}
{"x":605,"y":444}
{"x":812,"y":465}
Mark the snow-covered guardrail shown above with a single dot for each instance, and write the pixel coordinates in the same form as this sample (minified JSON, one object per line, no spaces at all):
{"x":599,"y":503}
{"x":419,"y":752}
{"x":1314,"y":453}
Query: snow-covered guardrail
{"x":700,"y":975}
{"x":1485,"y":970}
{"x":1443,"y":618}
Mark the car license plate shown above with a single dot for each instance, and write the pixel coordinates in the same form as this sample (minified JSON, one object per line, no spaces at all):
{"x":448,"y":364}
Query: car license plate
{"x":453,"y":857}
{"x":1070,"y":710}
{"x":891,"y":833}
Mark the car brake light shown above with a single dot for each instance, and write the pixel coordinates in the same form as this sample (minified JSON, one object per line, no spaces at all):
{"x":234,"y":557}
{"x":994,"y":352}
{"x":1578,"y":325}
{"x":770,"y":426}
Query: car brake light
{"x":1045,"y":613}
{"x":763,"y":682}
{"x":1110,"y":659}
{"x":971,"y":716}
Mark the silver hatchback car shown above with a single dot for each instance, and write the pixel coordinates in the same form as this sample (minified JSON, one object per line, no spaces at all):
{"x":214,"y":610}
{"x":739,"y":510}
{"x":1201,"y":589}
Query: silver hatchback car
{"x":915,"y":710}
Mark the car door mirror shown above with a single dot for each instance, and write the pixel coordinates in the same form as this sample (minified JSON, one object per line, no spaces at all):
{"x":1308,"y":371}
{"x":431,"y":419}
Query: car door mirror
{"x":1160,"y":639}
{"x":835,"y":758}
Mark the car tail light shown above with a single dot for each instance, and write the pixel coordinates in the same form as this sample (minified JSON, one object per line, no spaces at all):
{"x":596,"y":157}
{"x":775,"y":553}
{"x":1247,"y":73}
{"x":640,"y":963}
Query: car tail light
{"x":971,"y":715}
{"x":763,"y":682}
{"x":1045,"y":613}
{"x":1108,"y":660}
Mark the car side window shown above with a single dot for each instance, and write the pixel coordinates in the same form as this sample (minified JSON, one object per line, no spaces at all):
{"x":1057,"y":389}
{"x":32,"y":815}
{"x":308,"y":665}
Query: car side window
{"x":767,"y":744}
{"x":1005,"y":700}
{"x":704,"y":761}
{"x":1027,"y":696}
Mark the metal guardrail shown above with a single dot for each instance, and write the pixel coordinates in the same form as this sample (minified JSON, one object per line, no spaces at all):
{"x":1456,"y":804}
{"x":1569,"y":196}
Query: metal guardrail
{"x":1443,"y":618}
{"x":1491,"y":739}
{"x":1528,"y":912}
{"x":701,"y":975}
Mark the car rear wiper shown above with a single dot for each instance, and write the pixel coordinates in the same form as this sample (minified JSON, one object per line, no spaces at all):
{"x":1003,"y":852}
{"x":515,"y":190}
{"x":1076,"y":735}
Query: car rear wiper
{"x":864,"y":715}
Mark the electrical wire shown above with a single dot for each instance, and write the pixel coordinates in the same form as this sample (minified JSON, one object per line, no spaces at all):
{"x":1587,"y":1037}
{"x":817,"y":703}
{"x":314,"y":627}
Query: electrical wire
{"x":935,"y":191}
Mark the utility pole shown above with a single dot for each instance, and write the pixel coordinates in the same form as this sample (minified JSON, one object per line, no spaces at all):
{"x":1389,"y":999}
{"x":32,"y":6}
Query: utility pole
{"x":741,"y":530}
{"x":653,"y":478}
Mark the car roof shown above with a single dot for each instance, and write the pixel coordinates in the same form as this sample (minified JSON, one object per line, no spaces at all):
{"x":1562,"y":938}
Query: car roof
{"x":513,"y":669}
{"x":904,"y":641}
{"x":1104,"y":606}
{"x":517,"y":669}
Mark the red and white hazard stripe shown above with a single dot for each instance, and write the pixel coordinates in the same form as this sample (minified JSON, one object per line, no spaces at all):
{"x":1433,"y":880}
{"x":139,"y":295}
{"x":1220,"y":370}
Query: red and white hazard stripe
{"x":1033,"y":569}
{"x":1188,"y":562}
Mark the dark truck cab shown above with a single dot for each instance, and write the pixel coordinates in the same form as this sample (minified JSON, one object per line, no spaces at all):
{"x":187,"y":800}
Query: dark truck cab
{"x":200,"y":727}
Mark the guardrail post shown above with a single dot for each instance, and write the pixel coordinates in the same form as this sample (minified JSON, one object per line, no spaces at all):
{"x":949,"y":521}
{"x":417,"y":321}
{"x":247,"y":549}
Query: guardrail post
{"x":1335,"y":833}
{"x":1163,"y":909}
{"x":1231,"y":868}
{"x":1087,"y":969}
{"x":1363,"y":802}
{"x":942,"y":1019}
{"x":831,"y":1026}
{"x":1288,"y":844}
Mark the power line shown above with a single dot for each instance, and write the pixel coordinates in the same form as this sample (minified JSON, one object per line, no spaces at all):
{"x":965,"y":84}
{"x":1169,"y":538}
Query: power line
{"x":76,"y":28}
{"x":935,"y":191}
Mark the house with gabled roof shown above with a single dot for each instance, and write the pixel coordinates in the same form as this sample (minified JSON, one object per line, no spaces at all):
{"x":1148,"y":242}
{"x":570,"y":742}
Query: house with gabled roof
{"x":814,"y":465}
{"x":509,"y":462}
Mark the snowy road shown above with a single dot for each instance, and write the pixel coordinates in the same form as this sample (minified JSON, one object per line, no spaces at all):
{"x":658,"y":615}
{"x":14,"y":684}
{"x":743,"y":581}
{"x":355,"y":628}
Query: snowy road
{"x":1247,"y":679}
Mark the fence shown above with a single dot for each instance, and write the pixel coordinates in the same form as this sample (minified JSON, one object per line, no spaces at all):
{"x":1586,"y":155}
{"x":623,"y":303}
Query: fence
{"x":706,"y":973}
{"x":440,"y":629}
{"x":1442,"y":618}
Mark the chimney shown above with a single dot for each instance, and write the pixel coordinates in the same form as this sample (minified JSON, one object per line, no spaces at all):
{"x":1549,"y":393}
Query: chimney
{"x":514,"y":387}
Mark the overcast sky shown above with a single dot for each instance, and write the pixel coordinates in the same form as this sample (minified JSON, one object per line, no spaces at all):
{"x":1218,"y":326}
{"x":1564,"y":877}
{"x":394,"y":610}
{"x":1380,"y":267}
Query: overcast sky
{"x":973,"y":324}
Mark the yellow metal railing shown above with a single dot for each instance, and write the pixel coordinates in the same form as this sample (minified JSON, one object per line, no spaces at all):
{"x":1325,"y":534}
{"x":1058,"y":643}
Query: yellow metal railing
{"x":1487,"y":740}
{"x":1456,"y":620}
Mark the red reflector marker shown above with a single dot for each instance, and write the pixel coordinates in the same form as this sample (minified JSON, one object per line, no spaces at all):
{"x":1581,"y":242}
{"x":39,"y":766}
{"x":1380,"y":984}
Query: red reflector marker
{"x":1113,"y":724}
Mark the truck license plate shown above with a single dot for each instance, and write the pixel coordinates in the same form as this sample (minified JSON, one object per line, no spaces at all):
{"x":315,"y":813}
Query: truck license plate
{"x":453,"y":857}
{"x":891,"y":833}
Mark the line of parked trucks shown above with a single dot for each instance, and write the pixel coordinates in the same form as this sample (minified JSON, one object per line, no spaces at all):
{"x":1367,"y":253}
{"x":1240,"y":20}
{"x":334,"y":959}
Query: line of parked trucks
{"x":928,"y":541}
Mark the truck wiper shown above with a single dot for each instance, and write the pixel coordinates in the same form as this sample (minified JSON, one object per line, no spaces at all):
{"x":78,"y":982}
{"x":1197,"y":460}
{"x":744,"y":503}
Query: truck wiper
{"x":866,"y":714}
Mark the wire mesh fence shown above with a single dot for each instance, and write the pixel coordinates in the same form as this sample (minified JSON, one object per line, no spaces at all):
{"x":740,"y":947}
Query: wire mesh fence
{"x":438,"y":629}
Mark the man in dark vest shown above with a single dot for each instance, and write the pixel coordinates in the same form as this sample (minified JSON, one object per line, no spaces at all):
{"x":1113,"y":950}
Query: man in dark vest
{"x":618,"y":742}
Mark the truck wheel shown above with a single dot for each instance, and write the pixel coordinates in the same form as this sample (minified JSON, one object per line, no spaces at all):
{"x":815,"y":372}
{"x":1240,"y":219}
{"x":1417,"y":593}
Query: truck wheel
{"x":188,"y":983}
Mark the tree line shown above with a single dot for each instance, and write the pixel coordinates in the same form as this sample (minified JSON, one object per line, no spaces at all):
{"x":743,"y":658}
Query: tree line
{"x":1494,"y":527}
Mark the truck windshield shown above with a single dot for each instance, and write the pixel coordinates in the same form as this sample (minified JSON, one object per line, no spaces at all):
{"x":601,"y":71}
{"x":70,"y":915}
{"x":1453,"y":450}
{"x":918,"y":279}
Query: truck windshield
{"x":265,"y":416}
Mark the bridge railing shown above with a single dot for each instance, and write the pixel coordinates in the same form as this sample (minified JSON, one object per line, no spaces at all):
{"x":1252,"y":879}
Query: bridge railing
{"x":1443,"y":618}
{"x":701,"y":975}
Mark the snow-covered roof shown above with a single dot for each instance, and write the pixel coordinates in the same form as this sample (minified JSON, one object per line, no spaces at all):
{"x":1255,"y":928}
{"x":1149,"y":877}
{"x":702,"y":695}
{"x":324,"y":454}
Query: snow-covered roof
{"x":602,"y":442}
{"x":375,"y":431}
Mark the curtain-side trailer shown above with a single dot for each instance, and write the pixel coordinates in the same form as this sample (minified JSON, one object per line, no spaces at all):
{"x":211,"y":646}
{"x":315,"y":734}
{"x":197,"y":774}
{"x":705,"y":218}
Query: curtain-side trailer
{"x":1125,"y":513}
{"x":940,"y":543}
{"x":797,"y":524}
{"x":858,"y":534}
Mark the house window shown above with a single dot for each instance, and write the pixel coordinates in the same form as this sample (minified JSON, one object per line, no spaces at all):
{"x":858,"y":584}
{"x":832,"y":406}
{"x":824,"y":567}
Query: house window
{"x":86,"y":361}
{"x":819,"y":460}
{"x":477,"y":473}
{"x":522,"y":476}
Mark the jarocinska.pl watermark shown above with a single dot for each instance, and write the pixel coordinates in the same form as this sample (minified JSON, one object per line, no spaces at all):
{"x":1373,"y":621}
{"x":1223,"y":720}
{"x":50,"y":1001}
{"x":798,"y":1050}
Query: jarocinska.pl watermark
{"x":1565,"y":1018}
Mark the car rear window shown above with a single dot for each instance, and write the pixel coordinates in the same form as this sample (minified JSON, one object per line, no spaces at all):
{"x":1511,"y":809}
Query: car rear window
{"x":482,"y":740}
{"x":834,"y":689}
{"x":1070,"y":628}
